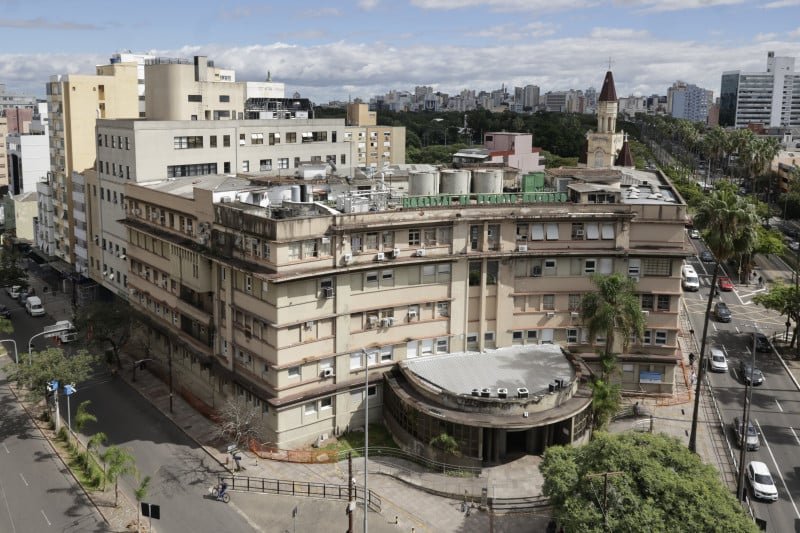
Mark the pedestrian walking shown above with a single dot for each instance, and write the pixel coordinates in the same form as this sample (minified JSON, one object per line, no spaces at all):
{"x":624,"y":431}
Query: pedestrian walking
{"x":691,"y":359}
{"x":694,"y":378}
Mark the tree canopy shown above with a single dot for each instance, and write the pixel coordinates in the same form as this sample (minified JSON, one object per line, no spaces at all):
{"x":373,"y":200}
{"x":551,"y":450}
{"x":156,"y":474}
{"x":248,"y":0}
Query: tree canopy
{"x":106,"y":325}
{"x":657,"y":485}
{"x":48,"y":365}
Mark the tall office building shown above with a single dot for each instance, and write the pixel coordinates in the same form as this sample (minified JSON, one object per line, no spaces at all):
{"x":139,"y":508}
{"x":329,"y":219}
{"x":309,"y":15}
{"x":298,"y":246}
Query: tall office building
{"x":140,"y":60}
{"x":770,"y":98}
{"x":688,"y":101}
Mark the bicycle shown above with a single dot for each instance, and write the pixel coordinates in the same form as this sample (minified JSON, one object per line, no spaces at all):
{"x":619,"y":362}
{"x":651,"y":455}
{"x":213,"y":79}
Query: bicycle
{"x":226,"y":497}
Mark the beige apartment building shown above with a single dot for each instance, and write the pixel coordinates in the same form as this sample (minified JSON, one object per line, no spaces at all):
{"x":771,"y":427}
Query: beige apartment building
{"x":285,"y":295}
{"x":371,"y":145}
{"x":75,"y":102}
{"x":3,"y":152}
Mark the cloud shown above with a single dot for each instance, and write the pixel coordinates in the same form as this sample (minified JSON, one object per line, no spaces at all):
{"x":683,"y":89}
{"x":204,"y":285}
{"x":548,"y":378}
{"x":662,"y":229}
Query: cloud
{"x":321,"y":12}
{"x":506,"y":5}
{"x":763,"y":37}
{"x":618,"y":33}
{"x":677,"y":5}
{"x":368,"y":5}
{"x":777,"y":4}
{"x":513,"y":32}
{"x":40,"y":23}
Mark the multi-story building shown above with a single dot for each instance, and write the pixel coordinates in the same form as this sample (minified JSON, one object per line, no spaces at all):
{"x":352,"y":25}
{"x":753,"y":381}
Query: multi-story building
{"x":604,"y":145}
{"x":75,"y":102}
{"x":140,"y":60}
{"x":3,"y":153}
{"x":530,"y":97}
{"x":688,"y":101}
{"x":28,"y":160}
{"x":371,"y":145}
{"x":18,"y":119}
{"x":770,"y":98}
{"x":287,"y":303}
{"x":14,"y":101}
{"x":19,"y":214}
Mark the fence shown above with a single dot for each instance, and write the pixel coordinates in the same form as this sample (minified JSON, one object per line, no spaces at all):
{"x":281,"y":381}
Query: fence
{"x":328,"y":491}
{"x":429,"y":464}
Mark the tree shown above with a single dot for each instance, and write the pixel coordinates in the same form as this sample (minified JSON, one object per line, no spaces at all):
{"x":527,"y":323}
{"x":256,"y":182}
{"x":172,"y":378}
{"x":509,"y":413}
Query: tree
{"x":784,"y":299}
{"x":48,"y":365}
{"x":614,"y":307}
{"x":83,"y":418}
{"x":729,"y":222}
{"x":239,"y":421}
{"x":141,"y":493}
{"x":94,"y":443}
{"x":606,"y":398}
{"x":11,"y":273}
{"x":658,"y":486}
{"x":106,"y":325}
{"x":119,"y":463}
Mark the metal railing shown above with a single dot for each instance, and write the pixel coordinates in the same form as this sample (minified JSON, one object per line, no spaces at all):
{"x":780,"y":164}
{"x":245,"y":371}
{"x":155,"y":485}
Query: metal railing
{"x":328,"y":491}
{"x":429,"y":464}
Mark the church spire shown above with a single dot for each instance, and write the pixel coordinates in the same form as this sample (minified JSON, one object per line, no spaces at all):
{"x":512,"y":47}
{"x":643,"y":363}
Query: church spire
{"x":608,"y":93}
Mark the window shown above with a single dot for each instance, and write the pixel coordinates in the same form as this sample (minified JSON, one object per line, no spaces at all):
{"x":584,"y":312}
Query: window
{"x":661,"y":337}
{"x":634,"y":267}
{"x":474,"y":237}
{"x":226,"y":140}
{"x":575,"y":302}
{"x":537,"y":232}
{"x":241,"y":139}
{"x":474,"y":273}
{"x":291,"y":137}
{"x":552,"y":232}
{"x":310,"y":408}
{"x":443,"y":309}
{"x":522,"y":232}
{"x":371,"y":241}
{"x":326,"y":403}
{"x":195,"y":98}
{"x":177,"y":171}
{"x":572,"y":336}
{"x":387,"y":278}
{"x":274,"y":138}
{"x":256,"y":138}
{"x":516,"y":337}
{"x":648,"y":337}
{"x":663,"y":302}
{"x":294,"y":372}
{"x":589,"y":266}
{"x":224,"y":98}
{"x":442,"y":345}
{"x":413,"y":237}
{"x":355,"y":361}
{"x":371,"y":279}
{"x":491,"y":272}
{"x":647,"y":302}
{"x":265,"y":165}
{"x":657,"y":266}
{"x":386,"y":354}
{"x":245,"y":166}
{"x":607,"y":230}
{"x":283,"y":162}
{"x":548,"y":302}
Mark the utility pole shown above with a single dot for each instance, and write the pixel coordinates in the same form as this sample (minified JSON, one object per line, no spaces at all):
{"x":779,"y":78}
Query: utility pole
{"x":350,"y":492}
{"x":605,"y":493}
{"x":748,"y":398}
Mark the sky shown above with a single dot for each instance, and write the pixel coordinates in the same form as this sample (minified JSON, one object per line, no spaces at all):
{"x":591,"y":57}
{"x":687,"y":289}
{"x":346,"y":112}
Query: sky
{"x":362,"y":48}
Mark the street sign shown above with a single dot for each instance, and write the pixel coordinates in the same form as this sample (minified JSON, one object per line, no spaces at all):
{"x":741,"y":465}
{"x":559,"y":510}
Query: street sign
{"x":52,"y":386}
{"x":70,"y":389}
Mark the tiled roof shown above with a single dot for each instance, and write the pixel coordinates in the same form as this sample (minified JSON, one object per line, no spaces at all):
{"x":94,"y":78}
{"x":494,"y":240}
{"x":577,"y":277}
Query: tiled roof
{"x":624,"y":158}
{"x":608,"y":93}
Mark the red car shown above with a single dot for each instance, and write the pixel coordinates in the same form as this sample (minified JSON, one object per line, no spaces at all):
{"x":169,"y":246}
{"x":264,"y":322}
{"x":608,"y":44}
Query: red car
{"x":725,"y":284}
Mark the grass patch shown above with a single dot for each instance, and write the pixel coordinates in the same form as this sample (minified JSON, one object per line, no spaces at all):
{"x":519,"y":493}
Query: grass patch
{"x":90,"y":475}
{"x":379,"y":436}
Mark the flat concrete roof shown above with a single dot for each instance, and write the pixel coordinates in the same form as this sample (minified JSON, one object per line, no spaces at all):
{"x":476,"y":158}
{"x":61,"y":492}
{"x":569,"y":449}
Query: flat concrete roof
{"x":531,"y":366}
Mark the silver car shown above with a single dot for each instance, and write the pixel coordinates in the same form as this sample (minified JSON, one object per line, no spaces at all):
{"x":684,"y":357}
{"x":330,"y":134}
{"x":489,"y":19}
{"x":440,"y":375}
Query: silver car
{"x":719,"y":363}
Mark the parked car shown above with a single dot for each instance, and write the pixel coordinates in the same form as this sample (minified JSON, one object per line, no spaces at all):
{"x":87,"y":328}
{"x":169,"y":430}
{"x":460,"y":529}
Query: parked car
{"x":5,"y":312}
{"x":722,"y":312}
{"x":33,"y":305}
{"x":719,"y":363}
{"x":706,"y":256}
{"x":750,"y":374}
{"x":14,"y":291}
{"x":794,"y":245}
{"x":761,"y":481}
{"x":761,"y":341}
{"x":751,"y":439}
{"x":725,"y":284}
{"x":694,"y":234}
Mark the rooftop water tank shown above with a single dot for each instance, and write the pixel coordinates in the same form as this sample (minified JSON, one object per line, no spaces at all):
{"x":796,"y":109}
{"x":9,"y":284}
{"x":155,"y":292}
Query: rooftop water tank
{"x":454,"y":181}
{"x":423,"y":183}
{"x":487,"y":181}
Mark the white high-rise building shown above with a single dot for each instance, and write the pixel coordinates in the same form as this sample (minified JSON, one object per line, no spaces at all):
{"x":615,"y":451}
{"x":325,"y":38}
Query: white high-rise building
{"x":771,"y":98}
{"x":688,"y":101}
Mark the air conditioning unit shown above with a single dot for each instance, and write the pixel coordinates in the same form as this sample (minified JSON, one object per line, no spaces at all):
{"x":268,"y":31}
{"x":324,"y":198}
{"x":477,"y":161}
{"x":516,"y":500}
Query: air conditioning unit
{"x":412,"y":313}
{"x":579,"y":233}
{"x":551,"y":313}
{"x":575,"y":314}
{"x":634,"y":278}
{"x":372,"y":320}
{"x":395,"y":253}
{"x":380,"y":257}
{"x":327,"y":373}
{"x":502,"y":392}
{"x":327,"y":292}
{"x":646,"y":313}
{"x":420,"y":252}
{"x":522,"y":392}
{"x":476,"y":392}
{"x":309,"y":324}
{"x":387,"y":322}
{"x":522,"y":247}
{"x":486,"y":392}
{"x":325,"y":240}
{"x":348,"y":258}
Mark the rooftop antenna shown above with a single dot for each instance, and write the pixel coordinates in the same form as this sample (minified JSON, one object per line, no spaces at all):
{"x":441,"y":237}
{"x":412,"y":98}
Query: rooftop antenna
{"x":269,"y":76}
{"x":609,"y":62}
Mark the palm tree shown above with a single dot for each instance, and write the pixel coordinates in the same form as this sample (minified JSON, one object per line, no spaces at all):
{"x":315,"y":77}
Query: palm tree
{"x":730,"y":223}
{"x":120,"y":462}
{"x":94,"y":443}
{"x":614,"y":307}
{"x":141,"y":493}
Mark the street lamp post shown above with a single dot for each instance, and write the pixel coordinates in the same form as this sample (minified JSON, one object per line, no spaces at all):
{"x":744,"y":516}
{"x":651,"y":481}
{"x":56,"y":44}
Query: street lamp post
{"x":748,"y":398}
{"x":16,"y":352}
{"x":366,"y":435}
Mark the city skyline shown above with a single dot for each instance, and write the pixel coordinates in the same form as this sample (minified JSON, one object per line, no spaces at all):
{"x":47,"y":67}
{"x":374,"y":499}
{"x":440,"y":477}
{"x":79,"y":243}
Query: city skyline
{"x":373,"y":46}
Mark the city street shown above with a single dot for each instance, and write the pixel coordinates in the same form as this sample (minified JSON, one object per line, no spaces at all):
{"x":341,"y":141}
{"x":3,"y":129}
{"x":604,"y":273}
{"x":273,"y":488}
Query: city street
{"x":775,"y":410}
{"x":37,"y":492}
{"x":181,"y":472}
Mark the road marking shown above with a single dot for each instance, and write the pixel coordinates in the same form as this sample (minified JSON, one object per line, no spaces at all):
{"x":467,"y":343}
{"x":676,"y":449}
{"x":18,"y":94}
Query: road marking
{"x":24,"y":480}
{"x":8,"y":509}
{"x":6,"y":448}
{"x":779,"y":406}
{"x":795,"y":435}
{"x":769,"y":449}
{"x":45,"y":518}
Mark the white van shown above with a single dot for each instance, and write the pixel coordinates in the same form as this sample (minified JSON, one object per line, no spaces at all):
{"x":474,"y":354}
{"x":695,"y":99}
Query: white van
{"x":690,"y":280}
{"x":34,"y":306}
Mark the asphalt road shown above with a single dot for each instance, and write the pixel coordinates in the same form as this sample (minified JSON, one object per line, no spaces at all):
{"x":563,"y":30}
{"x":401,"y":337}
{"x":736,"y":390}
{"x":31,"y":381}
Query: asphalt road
{"x":37,"y":493}
{"x":775,"y":408}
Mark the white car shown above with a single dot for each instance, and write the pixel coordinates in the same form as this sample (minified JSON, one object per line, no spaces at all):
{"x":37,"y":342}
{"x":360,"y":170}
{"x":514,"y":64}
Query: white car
{"x":14,"y":291}
{"x":694,"y":234}
{"x":761,"y":481}
{"x":719,"y":363}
